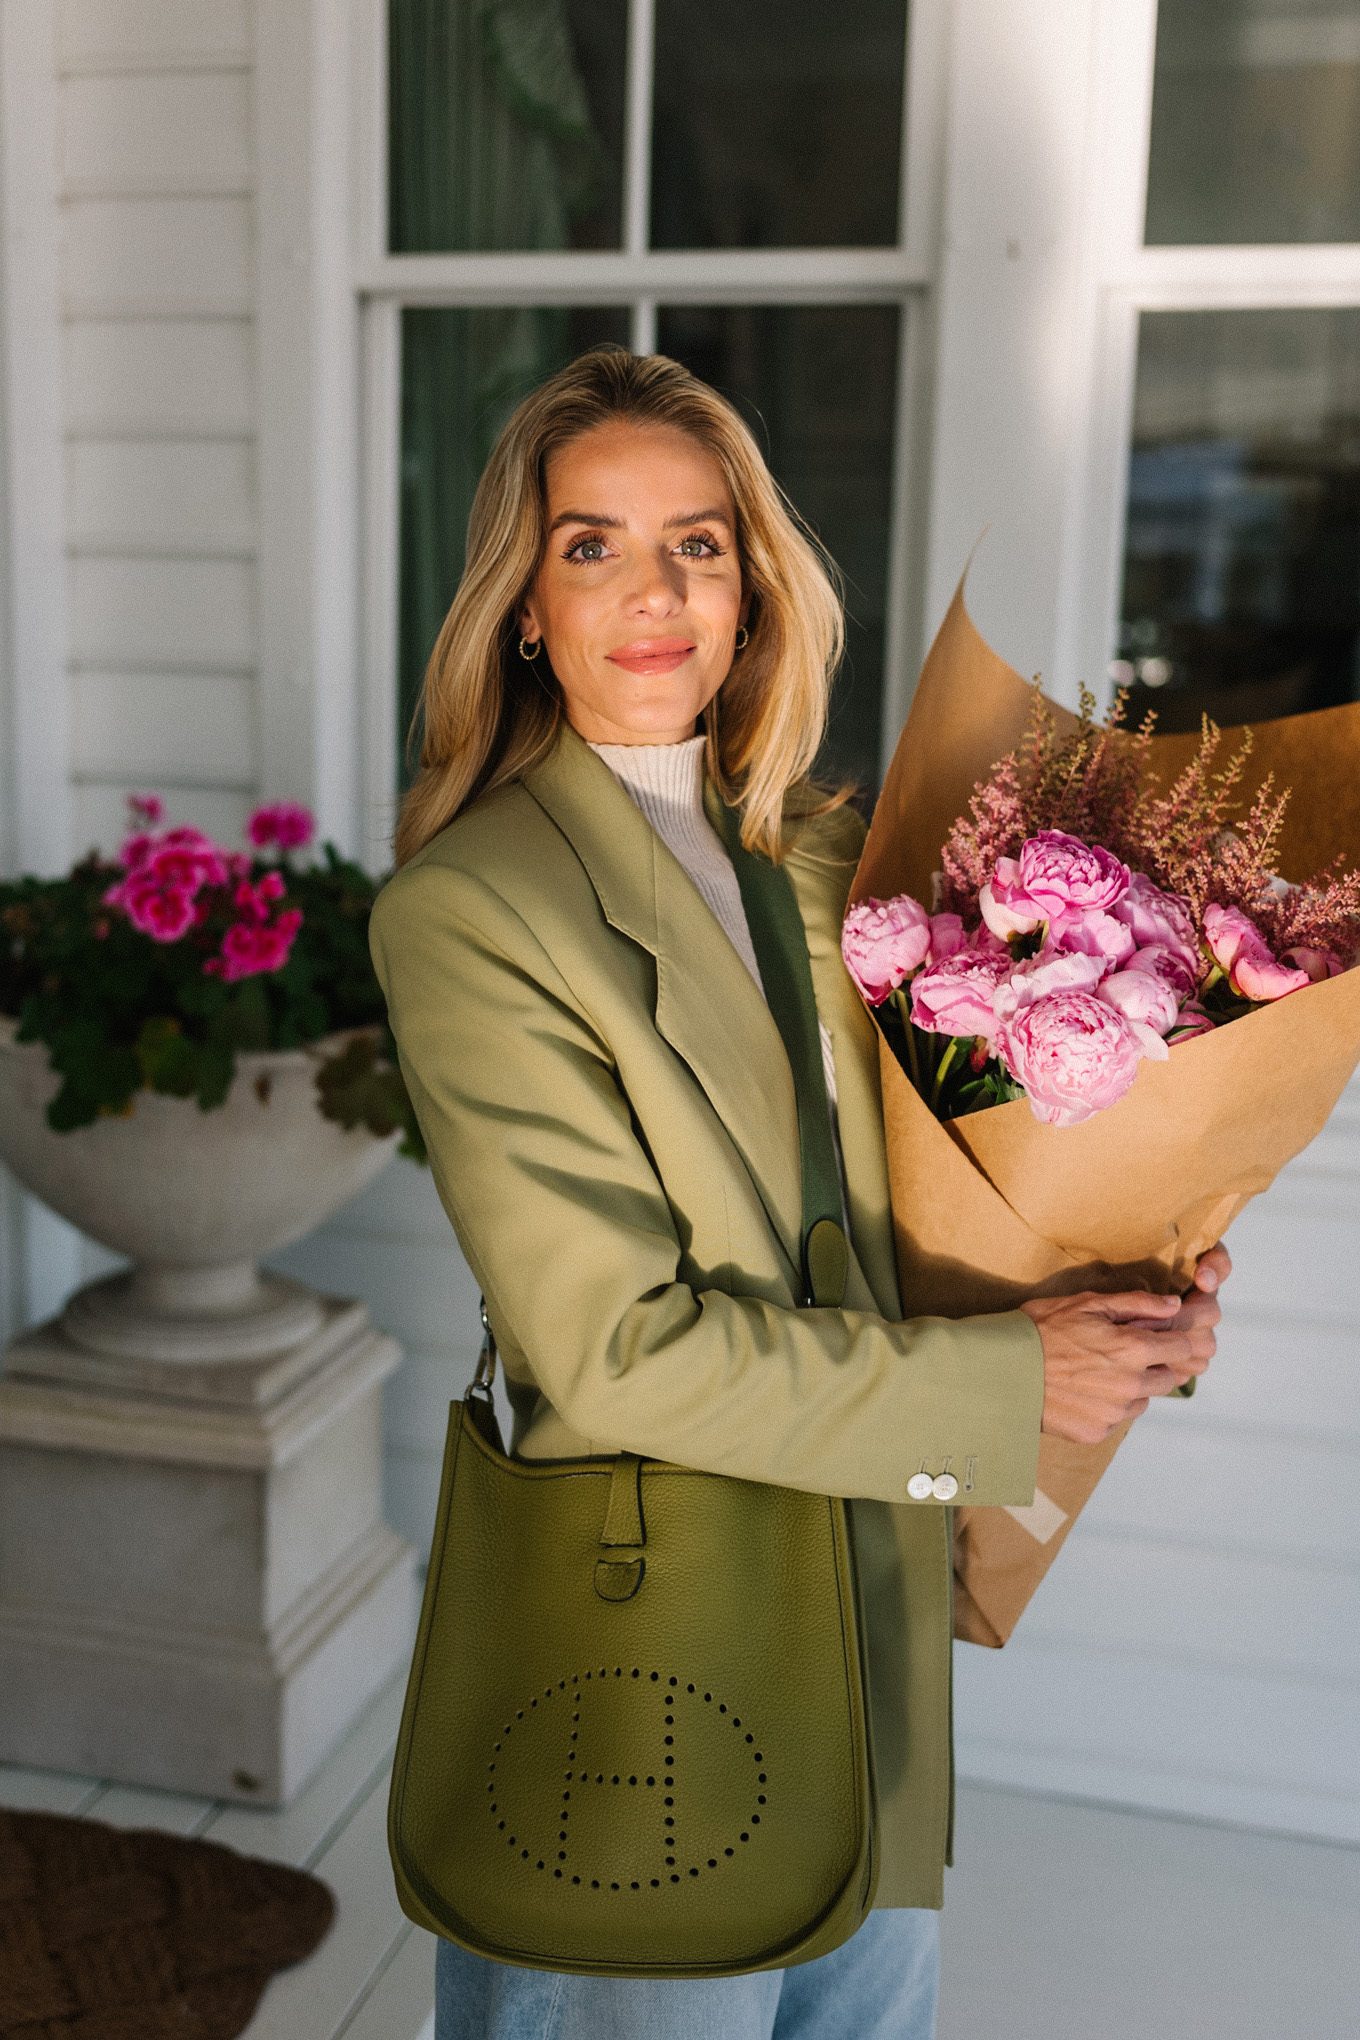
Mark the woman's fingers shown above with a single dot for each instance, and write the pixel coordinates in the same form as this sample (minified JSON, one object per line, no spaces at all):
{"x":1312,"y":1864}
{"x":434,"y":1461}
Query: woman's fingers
{"x":1212,"y":1269}
{"x":1128,"y":1305}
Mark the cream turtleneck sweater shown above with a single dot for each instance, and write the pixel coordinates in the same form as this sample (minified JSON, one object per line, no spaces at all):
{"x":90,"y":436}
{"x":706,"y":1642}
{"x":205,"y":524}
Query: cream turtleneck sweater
{"x":666,"y":781}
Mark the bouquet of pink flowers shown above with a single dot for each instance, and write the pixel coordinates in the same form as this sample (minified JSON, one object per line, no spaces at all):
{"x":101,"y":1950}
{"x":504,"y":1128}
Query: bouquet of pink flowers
{"x":1112,"y":1024}
{"x":1056,"y":962}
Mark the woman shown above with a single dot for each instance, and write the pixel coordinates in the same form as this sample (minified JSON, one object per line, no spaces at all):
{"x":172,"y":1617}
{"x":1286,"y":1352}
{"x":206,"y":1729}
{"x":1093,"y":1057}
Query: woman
{"x":643,"y":631}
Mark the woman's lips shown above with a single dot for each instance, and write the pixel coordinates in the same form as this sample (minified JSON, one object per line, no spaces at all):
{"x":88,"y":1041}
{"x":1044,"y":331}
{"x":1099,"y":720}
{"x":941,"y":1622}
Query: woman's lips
{"x":650,"y":662}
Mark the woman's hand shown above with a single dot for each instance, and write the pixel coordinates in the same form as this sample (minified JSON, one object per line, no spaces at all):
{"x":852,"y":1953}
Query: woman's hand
{"x":1106,"y":1356}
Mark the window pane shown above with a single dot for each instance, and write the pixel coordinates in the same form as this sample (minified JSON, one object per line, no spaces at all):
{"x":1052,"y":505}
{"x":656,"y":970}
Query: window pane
{"x":505,"y":125}
{"x":816,"y":383}
{"x":777,"y":124}
{"x":463,"y":371}
{"x":1255,"y":121}
{"x":1242,"y":556}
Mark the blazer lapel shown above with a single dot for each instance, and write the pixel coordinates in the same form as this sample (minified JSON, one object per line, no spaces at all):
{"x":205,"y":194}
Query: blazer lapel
{"x":707,"y":1005}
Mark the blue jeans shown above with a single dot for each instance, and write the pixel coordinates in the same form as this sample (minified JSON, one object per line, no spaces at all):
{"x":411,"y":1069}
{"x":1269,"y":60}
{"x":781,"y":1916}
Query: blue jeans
{"x":881,"y":1984}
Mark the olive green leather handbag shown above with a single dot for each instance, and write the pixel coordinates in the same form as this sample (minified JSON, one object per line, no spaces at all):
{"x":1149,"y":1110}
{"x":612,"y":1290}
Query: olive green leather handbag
{"x":635,"y":1740}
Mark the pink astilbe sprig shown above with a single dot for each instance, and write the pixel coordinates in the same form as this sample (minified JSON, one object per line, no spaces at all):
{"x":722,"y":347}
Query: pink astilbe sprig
{"x":996,"y":824}
{"x":1087,"y":784}
{"x":1323,"y":914}
{"x":1178,"y":836}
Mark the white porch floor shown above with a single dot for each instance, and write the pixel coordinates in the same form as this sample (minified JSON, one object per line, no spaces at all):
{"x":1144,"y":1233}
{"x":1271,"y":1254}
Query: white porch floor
{"x":1064,"y":1921}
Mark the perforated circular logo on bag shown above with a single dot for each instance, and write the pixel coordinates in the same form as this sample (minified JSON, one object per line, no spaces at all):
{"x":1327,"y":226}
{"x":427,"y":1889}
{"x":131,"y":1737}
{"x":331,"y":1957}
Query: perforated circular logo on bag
{"x":622,"y":1818}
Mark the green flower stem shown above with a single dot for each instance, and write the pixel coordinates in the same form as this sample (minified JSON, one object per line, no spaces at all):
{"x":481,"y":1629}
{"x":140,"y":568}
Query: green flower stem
{"x":945,"y":1060}
{"x":900,"y":1000}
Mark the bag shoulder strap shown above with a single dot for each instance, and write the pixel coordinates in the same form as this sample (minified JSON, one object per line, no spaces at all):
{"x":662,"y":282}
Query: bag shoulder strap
{"x":780,"y":943}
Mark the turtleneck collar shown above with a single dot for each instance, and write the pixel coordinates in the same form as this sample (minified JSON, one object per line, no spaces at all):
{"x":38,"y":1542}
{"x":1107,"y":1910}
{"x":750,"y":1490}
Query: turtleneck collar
{"x":672,"y":774}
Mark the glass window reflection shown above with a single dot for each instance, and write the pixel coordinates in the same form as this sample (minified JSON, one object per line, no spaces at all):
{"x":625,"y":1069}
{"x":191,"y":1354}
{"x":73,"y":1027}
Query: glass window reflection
{"x":1241,"y":592}
{"x":817,"y":384}
{"x":505,"y":125}
{"x":777,"y":124}
{"x":1255,"y":122}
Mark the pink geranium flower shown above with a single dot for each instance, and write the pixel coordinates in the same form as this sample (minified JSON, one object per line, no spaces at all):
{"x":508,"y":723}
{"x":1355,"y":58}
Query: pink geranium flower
{"x":164,"y":912}
{"x":250,"y":947}
{"x":1073,"y":1054}
{"x":883,"y":942}
{"x":1242,"y":952}
{"x":285,"y":823}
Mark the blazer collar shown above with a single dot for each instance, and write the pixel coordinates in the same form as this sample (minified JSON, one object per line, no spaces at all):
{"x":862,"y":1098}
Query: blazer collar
{"x":715,"y":1017}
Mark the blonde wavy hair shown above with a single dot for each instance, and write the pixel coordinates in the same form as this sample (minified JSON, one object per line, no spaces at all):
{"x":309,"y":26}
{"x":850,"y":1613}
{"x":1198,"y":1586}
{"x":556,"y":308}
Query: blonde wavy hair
{"x":487,"y":715}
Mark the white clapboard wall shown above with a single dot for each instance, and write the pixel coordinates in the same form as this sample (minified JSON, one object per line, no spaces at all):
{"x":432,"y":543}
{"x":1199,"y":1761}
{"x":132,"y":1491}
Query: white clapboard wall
{"x":157,"y":234}
{"x":1196,"y":1645}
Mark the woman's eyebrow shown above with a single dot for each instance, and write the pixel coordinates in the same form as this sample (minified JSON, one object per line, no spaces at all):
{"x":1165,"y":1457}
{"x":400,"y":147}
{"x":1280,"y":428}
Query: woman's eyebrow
{"x":714,"y":515}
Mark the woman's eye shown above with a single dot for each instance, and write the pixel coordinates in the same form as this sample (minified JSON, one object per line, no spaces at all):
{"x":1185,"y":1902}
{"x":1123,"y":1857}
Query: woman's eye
{"x":582,"y":559}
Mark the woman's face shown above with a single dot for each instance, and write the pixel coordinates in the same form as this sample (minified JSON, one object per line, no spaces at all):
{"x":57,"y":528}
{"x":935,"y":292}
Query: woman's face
{"x":639,"y":592}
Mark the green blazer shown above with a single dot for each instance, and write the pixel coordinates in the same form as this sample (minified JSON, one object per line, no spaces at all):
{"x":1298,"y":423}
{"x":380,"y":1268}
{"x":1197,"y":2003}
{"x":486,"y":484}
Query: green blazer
{"x":612,"y":1129}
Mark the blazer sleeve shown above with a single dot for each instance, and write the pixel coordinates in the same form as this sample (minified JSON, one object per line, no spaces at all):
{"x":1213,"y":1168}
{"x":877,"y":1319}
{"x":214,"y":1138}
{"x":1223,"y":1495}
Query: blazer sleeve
{"x":566,"y":1226}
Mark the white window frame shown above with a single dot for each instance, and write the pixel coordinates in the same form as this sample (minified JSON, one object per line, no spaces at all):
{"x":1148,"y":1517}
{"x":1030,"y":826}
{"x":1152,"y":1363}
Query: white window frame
{"x":642,"y":279}
{"x":1126,"y":278}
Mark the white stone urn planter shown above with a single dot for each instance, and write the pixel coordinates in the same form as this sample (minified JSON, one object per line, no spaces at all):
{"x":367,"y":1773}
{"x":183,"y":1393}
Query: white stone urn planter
{"x":194,"y":1199}
{"x":197,"y":1586}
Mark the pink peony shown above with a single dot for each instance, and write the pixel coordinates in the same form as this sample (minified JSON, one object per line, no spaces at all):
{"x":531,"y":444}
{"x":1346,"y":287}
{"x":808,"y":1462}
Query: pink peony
{"x":285,"y":823}
{"x":883,"y":942}
{"x":1054,"y":874}
{"x":1240,"y":949}
{"x":955,"y":996}
{"x":1092,"y":932}
{"x":1159,"y":920}
{"x":1170,"y":965}
{"x":1038,"y":976}
{"x":1318,"y":963}
{"x":1149,"y":1004}
{"x":1073,"y":1053}
{"x":946,"y":937}
{"x":1191,"y":1020}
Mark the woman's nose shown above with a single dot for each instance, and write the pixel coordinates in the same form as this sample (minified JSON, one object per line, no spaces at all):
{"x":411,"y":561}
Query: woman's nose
{"x":657,"y":583}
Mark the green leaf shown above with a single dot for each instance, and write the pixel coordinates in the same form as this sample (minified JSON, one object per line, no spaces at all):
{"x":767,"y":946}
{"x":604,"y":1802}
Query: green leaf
{"x":358,"y":1087}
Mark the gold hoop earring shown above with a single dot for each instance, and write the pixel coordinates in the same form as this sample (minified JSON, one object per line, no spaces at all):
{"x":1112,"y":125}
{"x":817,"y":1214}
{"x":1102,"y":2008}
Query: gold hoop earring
{"x":743,"y":637}
{"x":529,"y":657}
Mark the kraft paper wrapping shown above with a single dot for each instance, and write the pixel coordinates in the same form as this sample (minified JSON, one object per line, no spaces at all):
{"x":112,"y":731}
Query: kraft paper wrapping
{"x":996,"y":1207}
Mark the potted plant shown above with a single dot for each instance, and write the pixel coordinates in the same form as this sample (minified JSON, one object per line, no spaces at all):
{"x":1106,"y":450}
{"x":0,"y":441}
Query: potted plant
{"x":196,"y":1069}
{"x":198,"y":1586}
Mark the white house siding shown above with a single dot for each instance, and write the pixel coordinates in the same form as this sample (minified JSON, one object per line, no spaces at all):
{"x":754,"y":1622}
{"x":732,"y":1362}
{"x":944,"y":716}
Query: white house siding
{"x":156,"y":198}
{"x":1196,"y":1644}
